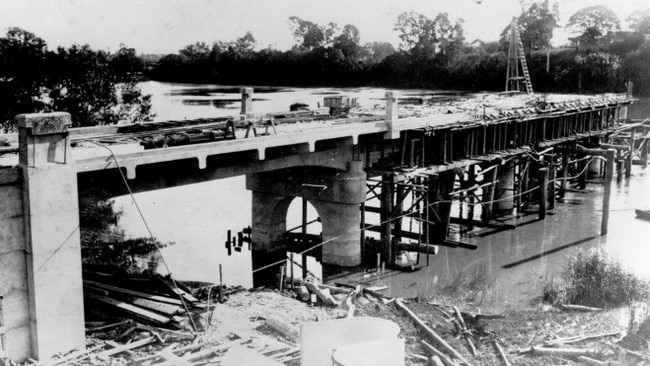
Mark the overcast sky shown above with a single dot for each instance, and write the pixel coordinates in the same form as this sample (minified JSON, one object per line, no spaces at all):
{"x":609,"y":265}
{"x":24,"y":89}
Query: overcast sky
{"x":165,"y":26}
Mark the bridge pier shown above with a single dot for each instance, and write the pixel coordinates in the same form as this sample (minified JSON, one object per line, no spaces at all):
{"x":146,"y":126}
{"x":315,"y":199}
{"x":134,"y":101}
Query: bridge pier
{"x":506,"y":187}
{"x":336,"y":196}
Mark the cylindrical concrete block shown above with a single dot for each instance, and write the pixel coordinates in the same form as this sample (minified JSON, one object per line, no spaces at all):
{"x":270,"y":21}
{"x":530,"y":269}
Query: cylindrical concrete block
{"x":340,"y":232}
{"x":506,"y":187}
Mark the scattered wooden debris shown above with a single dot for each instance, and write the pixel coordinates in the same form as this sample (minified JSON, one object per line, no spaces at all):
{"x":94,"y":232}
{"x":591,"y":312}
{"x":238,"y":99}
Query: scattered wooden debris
{"x":465,"y":331}
{"x":351,"y":300}
{"x":444,"y":359}
{"x":565,"y":352}
{"x":576,"y":339}
{"x":323,"y":294}
{"x":287,"y":330}
{"x":430,"y":332}
{"x":570,"y":307}
{"x":500,"y":351}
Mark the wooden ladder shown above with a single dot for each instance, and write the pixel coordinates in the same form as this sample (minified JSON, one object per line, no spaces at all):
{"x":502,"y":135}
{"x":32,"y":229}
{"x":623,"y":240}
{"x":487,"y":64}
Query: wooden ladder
{"x":522,"y":58}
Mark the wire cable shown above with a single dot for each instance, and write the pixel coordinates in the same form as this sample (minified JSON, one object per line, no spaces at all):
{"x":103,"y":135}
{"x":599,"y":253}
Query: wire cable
{"x":146,"y":224}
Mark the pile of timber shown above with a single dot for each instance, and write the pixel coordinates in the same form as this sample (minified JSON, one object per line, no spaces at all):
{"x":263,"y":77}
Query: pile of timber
{"x":149,"y":299}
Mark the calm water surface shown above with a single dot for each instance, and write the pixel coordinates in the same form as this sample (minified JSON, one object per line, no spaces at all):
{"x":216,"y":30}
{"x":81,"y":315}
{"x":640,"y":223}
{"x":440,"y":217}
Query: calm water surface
{"x":196,"y":217}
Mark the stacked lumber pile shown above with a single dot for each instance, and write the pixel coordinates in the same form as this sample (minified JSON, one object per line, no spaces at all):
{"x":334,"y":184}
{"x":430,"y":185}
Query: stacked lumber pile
{"x":151,"y":299}
{"x":148,"y":299}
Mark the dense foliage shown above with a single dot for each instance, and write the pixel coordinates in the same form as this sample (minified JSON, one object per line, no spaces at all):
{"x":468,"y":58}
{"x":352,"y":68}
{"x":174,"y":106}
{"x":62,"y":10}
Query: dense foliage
{"x":95,"y":87}
{"x":433,"y":53}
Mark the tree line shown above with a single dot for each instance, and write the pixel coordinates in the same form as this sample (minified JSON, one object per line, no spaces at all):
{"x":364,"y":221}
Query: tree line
{"x":99,"y":87}
{"x":433,"y":53}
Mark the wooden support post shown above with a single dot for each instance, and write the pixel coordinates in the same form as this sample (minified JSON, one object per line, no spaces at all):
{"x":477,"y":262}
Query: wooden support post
{"x":398,"y":211}
{"x":551,"y":192}
{"x":619,"y":166}
{"x":609,"y":172}
{"x":471,"y":181}
{"x":584,"y":171}
{"x":644,"y":148}
{"x":543,"y":192}
{"x":630,"y":155}
{"x":387,"y":188}
{"x":565,"y":174}
{"x":362,"y":230}
{"x":281,"y":278}
{"x":304,"y":241}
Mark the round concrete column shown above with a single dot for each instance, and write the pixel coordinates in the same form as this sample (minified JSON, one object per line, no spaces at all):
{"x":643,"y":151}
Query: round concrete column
{"x":506,"y":187}
{"x":340,"y":232}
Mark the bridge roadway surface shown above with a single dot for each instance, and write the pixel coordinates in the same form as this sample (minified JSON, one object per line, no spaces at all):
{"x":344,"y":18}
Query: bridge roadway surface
{"x":92,"y":158}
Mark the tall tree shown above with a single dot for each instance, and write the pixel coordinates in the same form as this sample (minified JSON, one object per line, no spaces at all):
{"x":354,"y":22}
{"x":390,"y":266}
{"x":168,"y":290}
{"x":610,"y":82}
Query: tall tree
{"x":126,"y":63}
{"x":417,"y":33}
{"x":427,"y":37}
{"x":450,"y":36}
{"x":310,"y":35}
{"x":245,"y":44}
{"x":348,"y":42}
{"x":639,"y":21}
{"x":196,"y":51}
{"x":536,"y":24}
{"x":592,"y":24}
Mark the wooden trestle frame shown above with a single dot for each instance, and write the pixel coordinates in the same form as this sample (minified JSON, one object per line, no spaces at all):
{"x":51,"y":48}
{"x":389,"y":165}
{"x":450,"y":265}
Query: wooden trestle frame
{"x":419,"y":176}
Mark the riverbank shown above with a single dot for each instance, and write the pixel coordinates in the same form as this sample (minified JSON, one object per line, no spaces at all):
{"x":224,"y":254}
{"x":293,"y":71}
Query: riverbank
{"x":261,"y":323}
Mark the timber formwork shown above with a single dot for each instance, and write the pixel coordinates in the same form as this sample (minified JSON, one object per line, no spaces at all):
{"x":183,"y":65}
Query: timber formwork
{"x":487,"y":169}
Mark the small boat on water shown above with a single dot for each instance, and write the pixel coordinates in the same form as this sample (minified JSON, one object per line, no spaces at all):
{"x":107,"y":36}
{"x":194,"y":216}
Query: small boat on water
{"x":643,"y":214}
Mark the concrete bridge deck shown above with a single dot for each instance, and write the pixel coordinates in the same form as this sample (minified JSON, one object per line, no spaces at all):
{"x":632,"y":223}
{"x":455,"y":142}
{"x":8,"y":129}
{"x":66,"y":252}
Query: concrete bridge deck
{"x":305,"y":136}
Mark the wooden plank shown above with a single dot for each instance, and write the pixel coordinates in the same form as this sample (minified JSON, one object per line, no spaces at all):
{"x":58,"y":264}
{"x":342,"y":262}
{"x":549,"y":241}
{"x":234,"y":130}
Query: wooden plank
{"x":71,"y":356}
{"x":167,"y":309}
{"x":131,"y":309}
{"x":287,"y":330}
{"x":173,"y":288}
{"x":124,"y":348}
{"x":132,"y":293}
{"x":196,"y":356}
{"x":170,"y":357}
{"x":105,"y":327}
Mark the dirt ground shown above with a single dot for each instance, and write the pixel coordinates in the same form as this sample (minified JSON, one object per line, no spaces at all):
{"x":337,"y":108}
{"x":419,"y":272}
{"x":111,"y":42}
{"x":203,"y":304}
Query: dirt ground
{"x":243,"y":317}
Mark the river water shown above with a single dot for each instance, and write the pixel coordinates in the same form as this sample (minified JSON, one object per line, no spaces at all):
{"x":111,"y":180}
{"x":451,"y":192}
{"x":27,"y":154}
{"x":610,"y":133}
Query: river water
{"x":197,"y":217}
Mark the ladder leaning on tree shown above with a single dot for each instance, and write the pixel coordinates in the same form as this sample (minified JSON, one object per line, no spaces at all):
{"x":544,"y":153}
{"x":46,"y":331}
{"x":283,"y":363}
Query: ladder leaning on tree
{"x":516,"y":57}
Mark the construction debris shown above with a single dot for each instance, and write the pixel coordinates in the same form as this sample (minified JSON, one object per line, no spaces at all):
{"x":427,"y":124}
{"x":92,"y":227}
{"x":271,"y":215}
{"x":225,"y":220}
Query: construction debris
{"x":263,"y":325}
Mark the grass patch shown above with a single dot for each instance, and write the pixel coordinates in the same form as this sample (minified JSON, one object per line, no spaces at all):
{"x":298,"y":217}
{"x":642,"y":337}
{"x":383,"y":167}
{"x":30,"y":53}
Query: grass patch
{"x":593,"y":279}
{"x":469,"y":286}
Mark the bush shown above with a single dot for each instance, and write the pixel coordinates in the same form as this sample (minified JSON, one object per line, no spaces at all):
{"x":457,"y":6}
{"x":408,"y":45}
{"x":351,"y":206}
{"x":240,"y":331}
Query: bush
{"x":102,"y":242}
{"x":592,"y":279}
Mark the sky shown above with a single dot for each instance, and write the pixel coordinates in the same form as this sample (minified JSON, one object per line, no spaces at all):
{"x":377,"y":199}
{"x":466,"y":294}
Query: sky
{"x":165,"y":26}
